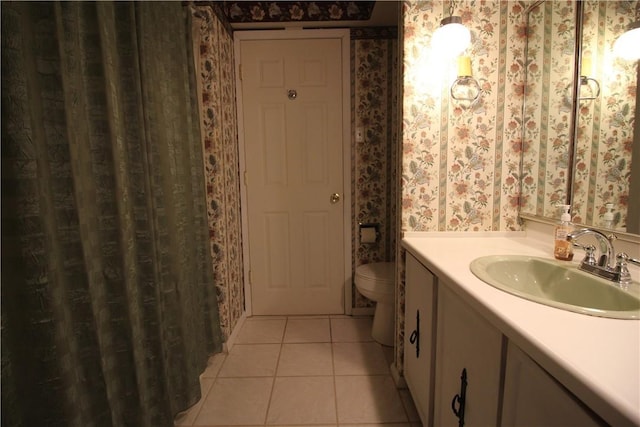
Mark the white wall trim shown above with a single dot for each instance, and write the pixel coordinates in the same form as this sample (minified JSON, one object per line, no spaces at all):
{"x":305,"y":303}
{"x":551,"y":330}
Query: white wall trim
{"x":344,"y":36}
{"x":231,"y":340}
{"x":398,"y":379}
{"x":243,"y":185}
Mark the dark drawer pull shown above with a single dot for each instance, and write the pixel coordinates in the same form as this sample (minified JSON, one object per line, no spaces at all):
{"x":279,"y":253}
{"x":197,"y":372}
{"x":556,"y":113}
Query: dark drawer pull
{"x":414,"y":338}
{"x":457,"y":404}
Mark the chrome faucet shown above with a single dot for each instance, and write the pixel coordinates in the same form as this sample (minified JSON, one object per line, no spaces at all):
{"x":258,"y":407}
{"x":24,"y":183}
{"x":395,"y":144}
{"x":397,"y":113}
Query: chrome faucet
{"x":607,"y":253}
{"x":607,"y":266}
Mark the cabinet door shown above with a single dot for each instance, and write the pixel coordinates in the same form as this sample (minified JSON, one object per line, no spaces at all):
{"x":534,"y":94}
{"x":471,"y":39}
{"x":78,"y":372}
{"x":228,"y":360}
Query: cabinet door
{"x":533,"y":398}
{"x":466,"y":341}
{"x":418,"y":335}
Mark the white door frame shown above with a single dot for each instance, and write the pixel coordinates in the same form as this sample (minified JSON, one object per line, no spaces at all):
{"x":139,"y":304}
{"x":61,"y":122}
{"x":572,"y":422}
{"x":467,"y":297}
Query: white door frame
{"x":296,"y":34}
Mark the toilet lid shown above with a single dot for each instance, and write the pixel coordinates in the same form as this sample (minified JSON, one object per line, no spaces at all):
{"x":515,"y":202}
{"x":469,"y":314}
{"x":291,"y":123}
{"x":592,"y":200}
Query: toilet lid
{"x":382,"y":272}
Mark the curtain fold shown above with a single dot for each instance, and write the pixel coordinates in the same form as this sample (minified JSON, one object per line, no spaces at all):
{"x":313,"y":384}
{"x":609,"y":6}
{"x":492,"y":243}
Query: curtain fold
{"x":109,"y":312}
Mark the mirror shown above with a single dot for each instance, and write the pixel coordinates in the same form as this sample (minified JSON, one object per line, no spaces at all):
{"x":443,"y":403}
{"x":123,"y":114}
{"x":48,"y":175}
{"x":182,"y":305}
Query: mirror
{"x":604,"y":137}
{"x":547,"y":113}
{"x":579,"y":115}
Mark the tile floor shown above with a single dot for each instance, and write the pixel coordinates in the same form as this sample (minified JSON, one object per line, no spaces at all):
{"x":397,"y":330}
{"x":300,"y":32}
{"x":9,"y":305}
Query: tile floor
{"x":297,"y":371}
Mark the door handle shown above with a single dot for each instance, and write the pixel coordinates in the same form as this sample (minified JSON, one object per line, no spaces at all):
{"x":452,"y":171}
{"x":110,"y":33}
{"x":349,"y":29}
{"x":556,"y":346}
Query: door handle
{"x":334,"y":198}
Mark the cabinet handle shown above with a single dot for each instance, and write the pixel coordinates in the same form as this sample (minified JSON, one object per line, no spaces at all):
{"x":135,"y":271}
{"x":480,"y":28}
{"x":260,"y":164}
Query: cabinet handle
{"x":414,"y":338}
{"x":457,"y":404}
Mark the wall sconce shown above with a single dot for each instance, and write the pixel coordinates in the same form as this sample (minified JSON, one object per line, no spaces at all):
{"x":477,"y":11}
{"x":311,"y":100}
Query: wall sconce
{"x":465,"y":89}
{"x":589,"y":87}
{"x":451,"y":38}
{"x":627,"y":46}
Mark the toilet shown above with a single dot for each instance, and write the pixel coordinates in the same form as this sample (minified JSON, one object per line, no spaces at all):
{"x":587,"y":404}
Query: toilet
{"x":376,"y":281}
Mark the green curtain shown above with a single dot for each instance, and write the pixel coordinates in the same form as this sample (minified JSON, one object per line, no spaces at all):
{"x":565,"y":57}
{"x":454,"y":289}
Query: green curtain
{"x":109,"y":313}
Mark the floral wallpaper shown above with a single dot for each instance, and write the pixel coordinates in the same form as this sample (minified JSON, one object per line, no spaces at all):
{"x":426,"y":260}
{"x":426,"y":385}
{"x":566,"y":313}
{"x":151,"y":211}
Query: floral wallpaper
{"x":548,"y":107}
{"x":374,"y":58}
{"x":605,"y":125}
{"x":291,"y":11}
{"x":460,"y":165}
{"x":216,"y":83}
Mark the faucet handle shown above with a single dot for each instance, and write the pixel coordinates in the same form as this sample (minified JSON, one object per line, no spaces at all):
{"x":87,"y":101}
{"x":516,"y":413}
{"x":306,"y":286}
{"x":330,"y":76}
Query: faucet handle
{"x":633,"y":260}
{"x":624,"y":257}
{"x":589,"y":257}
{"x":622,"y":269}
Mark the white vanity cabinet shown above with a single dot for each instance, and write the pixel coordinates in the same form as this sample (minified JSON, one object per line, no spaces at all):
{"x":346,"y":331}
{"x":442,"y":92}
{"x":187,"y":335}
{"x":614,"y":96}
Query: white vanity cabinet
{"x":532,"y":397}
{"x":443,"y":336}
{"x":419,"y":311}
{"x":526,"y":364}
{"x":467,"y":343}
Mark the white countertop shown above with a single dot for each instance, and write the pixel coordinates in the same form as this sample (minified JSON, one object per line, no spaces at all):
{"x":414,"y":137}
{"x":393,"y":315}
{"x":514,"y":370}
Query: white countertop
{"x":598,"y":359}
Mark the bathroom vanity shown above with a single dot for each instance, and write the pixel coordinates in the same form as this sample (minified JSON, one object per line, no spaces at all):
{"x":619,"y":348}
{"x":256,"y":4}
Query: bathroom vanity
{"x":478,"y":353}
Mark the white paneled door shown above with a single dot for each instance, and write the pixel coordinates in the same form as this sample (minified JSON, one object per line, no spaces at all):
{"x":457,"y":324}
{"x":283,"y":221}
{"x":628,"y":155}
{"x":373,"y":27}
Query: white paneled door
{"x":292,"y":116}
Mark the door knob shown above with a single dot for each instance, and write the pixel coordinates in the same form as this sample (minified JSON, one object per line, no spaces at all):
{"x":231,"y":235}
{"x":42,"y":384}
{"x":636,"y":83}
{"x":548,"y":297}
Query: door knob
{"x":335,"y":198}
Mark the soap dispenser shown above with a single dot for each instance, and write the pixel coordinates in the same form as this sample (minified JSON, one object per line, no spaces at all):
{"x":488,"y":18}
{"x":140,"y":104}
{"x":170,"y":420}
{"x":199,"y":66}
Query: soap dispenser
{"x":607,"y":218}
{"x":563,"y":249}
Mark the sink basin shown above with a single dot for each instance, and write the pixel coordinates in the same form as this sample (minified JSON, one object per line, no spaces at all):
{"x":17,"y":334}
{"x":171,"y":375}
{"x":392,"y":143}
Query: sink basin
{"x":558,"y":284}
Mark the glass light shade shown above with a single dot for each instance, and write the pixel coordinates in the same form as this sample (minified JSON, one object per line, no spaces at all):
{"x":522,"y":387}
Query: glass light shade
{"x":452,"y":38}
{"x":466,"y":91}
{"x":627,"y":46}
{"x":589,"y":89}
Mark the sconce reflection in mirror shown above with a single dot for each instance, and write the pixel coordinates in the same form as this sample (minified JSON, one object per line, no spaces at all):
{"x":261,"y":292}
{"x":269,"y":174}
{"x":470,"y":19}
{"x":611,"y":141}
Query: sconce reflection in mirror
{"x":589,"y":87}
{"x":627,"y":46}
{"x":465,"y":89}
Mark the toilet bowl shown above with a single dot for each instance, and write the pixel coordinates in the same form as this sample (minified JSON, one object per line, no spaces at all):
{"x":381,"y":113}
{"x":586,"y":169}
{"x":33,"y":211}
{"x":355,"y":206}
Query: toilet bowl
{"x":376,"y":281}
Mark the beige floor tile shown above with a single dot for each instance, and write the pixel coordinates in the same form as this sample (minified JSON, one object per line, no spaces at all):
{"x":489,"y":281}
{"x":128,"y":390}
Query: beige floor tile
{"x":302,"y":400}
{"x":261,"y":331}
{"x":236,"y":401}
{"x":379,"y":425}
{"x":213,"y":365}
{"x":239,"y":388}
{"x":389,"y":353}
{"x":307,"y":330}
{"x":368,"y":399}
{"x":187,"y":417}
{"x":359,"y":358}
{"x":267,"y":317}
{"x":251,"y":360}
{"x":355,"y":329}
{"x":307,"y":359}
{"x":309,"y":316}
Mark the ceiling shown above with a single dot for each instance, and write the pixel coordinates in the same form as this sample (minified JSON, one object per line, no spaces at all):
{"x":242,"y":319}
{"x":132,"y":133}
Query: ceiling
{"x":256,"y":15}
